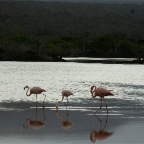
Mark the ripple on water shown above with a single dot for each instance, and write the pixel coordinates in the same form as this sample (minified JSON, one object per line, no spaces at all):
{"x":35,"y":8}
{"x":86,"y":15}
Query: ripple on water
{"x":125,"y":81}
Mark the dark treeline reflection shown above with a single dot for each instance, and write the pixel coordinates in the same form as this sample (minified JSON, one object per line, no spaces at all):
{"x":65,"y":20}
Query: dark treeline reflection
{"x":47,"y":31}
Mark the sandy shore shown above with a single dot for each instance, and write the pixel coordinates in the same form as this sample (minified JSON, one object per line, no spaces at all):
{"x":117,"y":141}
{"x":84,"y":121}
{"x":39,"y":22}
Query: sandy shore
{"x":25,"y":124}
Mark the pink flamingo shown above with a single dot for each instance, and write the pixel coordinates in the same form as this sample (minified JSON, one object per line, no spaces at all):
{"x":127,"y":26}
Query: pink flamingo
{"x":34,"y":90}
{"x":66,"y":93}
{"x":101,"y":92}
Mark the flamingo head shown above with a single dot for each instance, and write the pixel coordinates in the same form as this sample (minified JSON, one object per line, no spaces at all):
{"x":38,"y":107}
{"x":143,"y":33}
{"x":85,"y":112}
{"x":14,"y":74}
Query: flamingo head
{"x":92,"y":136}
{"x":92,"y":89}
{"x":26,"y":87}
{"x":27,"y":123}
{"x":43,"y":90}
{"x":66,"y":124}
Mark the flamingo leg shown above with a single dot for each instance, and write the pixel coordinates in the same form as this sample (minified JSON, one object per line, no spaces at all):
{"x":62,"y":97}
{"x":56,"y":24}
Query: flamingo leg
{"x":67,"y":110}
{"x":100,"y":122}
{"x":62,"y":98}
{"x":105,"y":122}
{"x":105,"y":105}
{"x":100,"y":107}
{"x":36,"y":102}
{"x":44,"y":114}
{"x":44,"y":100}
{"x":36,"y":111}
{"x":67,"y":100}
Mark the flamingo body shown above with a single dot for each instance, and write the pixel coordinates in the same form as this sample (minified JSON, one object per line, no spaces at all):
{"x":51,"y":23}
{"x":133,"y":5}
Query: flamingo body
{"x":101,"y":92}
{"x":99,"y":135}
{"x":34,"y":90}
{"x":66,"y":124}
{"x":34,"y":124}
{"x":66,"y":93}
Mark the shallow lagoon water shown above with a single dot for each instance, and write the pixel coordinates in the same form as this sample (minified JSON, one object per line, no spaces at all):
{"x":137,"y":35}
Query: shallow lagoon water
{"x":126,"y":108}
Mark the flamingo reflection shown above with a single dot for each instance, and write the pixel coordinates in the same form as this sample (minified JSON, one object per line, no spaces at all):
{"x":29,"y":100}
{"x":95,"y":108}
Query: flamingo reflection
{"x":100,"y":134}
{"x":35,"y":124}
{"x":65,"y":122}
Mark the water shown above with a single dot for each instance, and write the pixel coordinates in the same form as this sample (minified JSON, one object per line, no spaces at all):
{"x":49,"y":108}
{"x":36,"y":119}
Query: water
{"x":125,"y":80}
{"x":126,"y":108}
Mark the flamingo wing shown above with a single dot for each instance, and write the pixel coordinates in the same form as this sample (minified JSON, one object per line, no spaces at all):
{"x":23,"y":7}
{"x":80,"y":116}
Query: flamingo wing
{"x":36,"y":90}
{"x":101,"y":135}
{"x":102,"y":92}
{"x":66,"y":93}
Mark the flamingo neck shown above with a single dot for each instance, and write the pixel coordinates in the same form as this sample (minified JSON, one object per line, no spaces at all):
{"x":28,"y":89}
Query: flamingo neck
{"x":93,"y":91}
{"x":93,"y":88}
{"x":27,"y":92}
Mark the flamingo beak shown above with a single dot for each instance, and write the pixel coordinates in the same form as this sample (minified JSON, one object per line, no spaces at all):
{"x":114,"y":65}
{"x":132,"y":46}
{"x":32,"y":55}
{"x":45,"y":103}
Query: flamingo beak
{"x":92,"y":136}
{"x":25,"y":126}
{"x":26,"y":87}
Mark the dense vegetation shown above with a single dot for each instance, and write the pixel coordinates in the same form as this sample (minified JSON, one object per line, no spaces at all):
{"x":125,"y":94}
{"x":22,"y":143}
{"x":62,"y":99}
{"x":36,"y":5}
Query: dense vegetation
{"x":47,"y":31}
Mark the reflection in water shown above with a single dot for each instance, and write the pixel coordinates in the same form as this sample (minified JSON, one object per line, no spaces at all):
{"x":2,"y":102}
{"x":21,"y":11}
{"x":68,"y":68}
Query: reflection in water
{"x":65,"y":122}
{"x":100,"y":134}
{"x":35,"y":124}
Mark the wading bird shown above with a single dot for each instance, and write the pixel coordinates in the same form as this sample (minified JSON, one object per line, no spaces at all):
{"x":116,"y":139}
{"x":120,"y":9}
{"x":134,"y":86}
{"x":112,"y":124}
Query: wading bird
{"x":101,"y":92}
{"x":66,"y":93}
{"x":34,"y":90}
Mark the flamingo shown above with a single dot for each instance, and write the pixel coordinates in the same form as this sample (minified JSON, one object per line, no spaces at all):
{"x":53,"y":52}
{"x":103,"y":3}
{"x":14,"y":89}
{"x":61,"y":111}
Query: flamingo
{"x":66,"y":93}
{"x":101,"y":92}
{"x":34,"y":90}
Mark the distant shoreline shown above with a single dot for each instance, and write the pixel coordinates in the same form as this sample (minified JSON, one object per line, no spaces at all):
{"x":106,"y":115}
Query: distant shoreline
{"x":106,"y":60}
{"x":88,"y":60}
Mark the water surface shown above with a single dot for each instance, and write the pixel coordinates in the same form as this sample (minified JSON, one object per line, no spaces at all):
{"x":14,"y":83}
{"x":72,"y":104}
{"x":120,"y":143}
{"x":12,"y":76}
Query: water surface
{"x":126,"y":109}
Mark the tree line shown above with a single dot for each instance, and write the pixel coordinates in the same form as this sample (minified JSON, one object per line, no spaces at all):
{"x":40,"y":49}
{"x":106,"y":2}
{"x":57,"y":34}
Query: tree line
{"x":25,"y":48}
{"x":48,"y":31}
